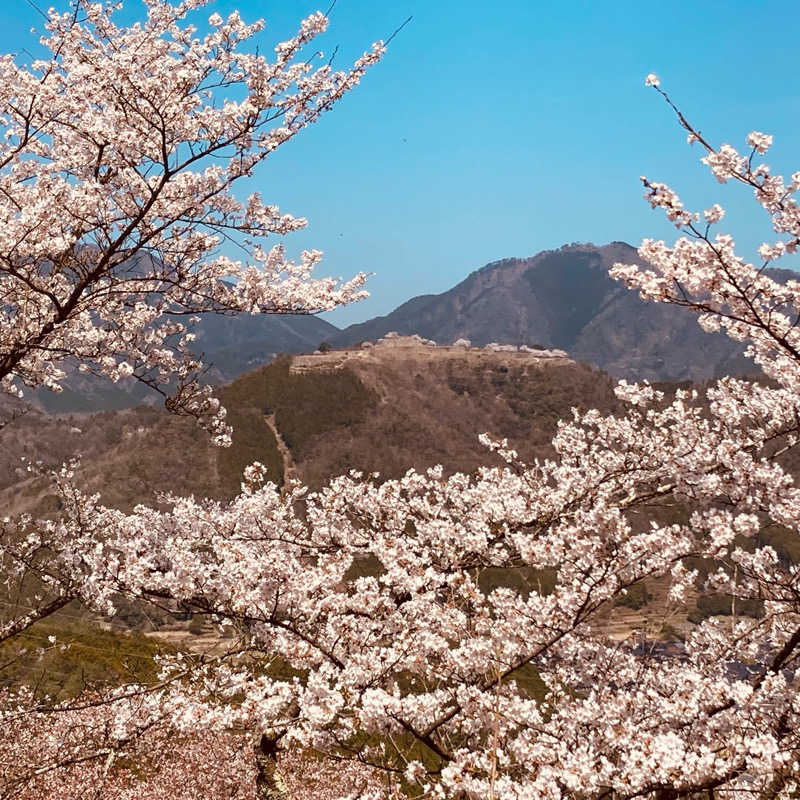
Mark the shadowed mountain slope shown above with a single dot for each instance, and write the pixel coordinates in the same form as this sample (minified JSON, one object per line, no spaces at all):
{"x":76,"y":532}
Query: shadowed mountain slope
{"x":565,"y":299}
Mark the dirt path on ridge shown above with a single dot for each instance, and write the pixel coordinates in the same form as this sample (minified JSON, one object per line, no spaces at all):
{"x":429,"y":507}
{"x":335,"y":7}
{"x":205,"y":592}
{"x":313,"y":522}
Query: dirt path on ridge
{"x":289,"y":469}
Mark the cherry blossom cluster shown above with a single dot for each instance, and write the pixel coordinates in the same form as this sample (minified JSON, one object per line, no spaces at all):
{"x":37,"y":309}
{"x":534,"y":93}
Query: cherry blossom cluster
{"x":118,"y":158}
{"x":120,"y":749}
{"x":113,"y":748}
{"x":446,"y":635}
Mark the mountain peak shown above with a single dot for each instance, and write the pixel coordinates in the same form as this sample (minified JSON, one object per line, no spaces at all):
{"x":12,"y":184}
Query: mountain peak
{"x":564,"y":299}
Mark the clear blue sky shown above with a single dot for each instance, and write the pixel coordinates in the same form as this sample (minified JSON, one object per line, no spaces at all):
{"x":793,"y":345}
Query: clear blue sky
{"x":495,"y":129}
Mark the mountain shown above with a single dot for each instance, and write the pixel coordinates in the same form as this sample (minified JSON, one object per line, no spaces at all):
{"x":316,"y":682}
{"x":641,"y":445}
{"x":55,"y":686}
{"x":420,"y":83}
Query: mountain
{"x":560,"y":299}
{"x":565,"y":299}
{"x":235,"y":344}
{"x":231,"y":344}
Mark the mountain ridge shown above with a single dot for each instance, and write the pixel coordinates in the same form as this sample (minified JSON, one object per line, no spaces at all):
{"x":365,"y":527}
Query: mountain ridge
{"x":555,"y":299}
{"x":565,"y":299}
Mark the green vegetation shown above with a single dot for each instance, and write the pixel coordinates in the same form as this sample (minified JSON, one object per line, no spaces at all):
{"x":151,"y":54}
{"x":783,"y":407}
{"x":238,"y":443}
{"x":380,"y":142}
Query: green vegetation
{"x":669,"y":633}
{"x":522,"y":579}
{"x":252,"y":441}
{"x":309,"y":404}
{"x":783,"y":541}
{"x":92,"y":657}
{"x":306,"y":404}
{"x":717,"y":605}
{"x":636,"y":597}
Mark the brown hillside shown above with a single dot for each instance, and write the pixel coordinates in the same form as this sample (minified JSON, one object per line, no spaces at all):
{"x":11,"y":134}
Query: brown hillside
{"x":384,"y":410}
{"x":434,"y":402}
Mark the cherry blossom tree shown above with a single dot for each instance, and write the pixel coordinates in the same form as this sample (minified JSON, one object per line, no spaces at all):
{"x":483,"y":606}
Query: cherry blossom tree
{"x":375,"y":623}
{"x":408,"y":658}
{"x":120,"y":153}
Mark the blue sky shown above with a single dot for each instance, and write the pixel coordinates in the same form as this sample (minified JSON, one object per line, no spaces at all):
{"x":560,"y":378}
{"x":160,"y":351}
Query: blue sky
{"x":495,"y":129}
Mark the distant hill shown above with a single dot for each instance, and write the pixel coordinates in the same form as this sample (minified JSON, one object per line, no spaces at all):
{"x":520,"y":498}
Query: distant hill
{"x":236,"y":344}
{"x":565,"y":299}
{"x":384,"y":410}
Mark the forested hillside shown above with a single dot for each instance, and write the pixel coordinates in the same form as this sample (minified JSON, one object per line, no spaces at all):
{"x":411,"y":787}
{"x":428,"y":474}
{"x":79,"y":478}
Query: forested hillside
{"x":384,"y":410}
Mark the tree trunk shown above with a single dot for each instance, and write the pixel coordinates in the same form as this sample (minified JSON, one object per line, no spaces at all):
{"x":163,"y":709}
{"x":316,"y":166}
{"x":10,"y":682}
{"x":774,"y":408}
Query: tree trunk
{"x":269,"y":781}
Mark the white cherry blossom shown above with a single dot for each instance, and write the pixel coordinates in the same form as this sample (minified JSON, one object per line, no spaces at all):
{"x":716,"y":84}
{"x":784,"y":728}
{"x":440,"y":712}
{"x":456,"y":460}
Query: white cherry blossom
{"x":407,"y":650}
